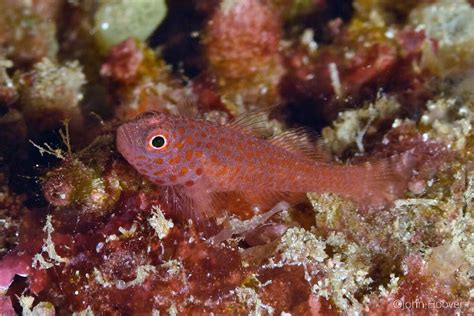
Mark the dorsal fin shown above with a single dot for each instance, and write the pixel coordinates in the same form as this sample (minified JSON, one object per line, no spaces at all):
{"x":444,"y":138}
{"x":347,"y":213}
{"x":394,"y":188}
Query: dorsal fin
{"x":188,"y":106}
{"x":302,"y":141}
{"x":252,"y":122}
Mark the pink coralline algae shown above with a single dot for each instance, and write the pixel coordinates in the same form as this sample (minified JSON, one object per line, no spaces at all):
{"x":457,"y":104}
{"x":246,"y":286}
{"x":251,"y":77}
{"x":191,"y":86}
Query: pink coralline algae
{"x":125,"y":59}
{"x":242,"y":41}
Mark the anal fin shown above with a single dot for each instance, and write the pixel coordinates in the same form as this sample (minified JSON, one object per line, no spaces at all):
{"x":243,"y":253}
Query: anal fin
{"x":264,"y":200}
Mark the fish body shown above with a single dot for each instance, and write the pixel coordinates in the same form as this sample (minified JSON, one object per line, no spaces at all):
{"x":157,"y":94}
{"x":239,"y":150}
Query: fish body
{"x":199,"y":159}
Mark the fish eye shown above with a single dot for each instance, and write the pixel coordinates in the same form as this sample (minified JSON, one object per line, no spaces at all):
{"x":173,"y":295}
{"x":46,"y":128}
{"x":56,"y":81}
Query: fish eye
{"x":158,"y":142}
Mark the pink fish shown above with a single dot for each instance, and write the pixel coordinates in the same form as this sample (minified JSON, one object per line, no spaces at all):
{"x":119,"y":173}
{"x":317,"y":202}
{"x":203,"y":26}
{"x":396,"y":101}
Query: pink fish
{"x":197,"y":160}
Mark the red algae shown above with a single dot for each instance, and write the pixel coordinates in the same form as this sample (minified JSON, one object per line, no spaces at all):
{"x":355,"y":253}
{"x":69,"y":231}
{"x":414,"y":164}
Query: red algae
{"x":231,"y":30}
{"x":124,"y":60}
{"x":333,"y":80}
{"x":337,"y":80}
{"x":242,"y":42}
{"x":141,"y":81}
{"x":128,"y":260}
{"x":418,"y":293}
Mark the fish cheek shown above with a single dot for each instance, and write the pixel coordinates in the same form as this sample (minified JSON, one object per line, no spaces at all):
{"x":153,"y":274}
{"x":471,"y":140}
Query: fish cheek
{"x":156,"y":167}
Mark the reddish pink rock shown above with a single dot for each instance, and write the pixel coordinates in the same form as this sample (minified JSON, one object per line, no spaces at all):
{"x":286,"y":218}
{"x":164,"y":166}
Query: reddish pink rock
{"x":123,"y":61}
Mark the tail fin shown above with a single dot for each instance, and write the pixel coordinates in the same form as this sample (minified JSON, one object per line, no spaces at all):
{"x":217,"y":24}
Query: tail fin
{"x":381,"y":183}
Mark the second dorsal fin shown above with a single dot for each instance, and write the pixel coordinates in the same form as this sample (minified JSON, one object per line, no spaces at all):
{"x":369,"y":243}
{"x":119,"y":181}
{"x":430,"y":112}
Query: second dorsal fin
{"x":302,"y":141}
{"x":188,"y":106}
{"x":253,"y":122}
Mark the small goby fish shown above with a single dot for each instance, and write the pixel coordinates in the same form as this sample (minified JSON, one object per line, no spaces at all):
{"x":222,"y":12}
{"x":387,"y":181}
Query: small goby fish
{"x":197,"y":160}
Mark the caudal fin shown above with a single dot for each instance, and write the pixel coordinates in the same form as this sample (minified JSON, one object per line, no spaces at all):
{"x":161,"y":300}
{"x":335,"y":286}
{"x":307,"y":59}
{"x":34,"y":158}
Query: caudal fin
{"x":380,"y":183}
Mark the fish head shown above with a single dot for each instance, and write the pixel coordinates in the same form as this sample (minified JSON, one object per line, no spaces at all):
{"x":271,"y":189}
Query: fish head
{"x":158,"y":145}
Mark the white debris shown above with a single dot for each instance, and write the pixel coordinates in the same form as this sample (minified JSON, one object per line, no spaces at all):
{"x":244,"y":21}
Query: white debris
{"x":252,"y":301}
{"x":159,"y":223}
{"x":335,"y":80}
{"x":39,"y":261}
{"x":142,"y":273}
{"x":451,"y":23}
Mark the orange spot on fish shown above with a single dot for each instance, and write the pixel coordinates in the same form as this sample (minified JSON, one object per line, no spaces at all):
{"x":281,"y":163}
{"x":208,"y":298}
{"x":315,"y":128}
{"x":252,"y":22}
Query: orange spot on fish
{"x":188,"y":140}
{"x":181,"y":130}
{"x":189,"y":155}
{"x":222,"y":171}
{"x":199,"y":171}
{"x":199,"y":154}
{"x":189,"y":183}
{"x":179,"y":145}
{"x":173,"y":178}
{"x":158,"y":172}
{"x":183,"y":171}
{"x":175,"y":160}
{"x":158,"y":161}
{"x":214,"y":159}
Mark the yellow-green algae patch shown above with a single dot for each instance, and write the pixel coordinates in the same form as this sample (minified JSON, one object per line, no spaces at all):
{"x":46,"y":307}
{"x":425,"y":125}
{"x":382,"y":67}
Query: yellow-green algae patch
{"x":117,"y":20}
